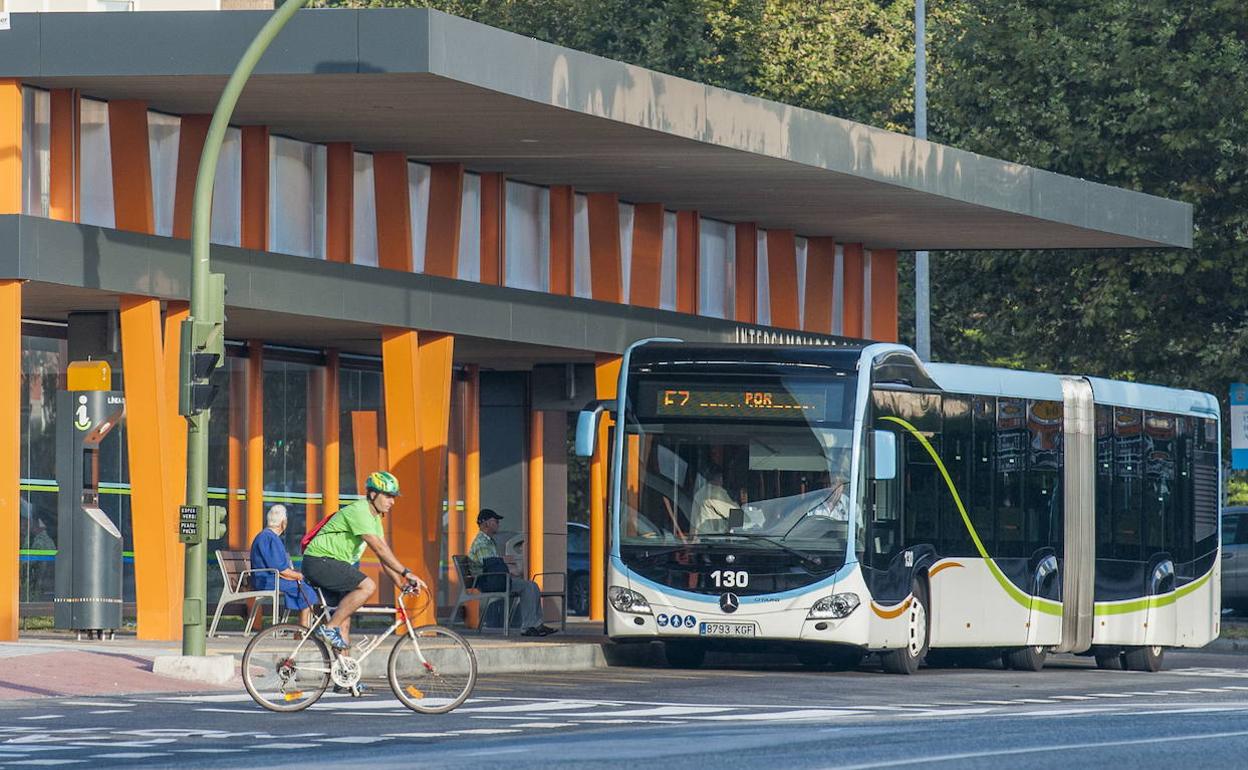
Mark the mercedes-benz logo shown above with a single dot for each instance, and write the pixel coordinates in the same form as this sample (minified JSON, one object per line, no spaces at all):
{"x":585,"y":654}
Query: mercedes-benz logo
{"x":730,"y":558}
{"x":729,"y":602}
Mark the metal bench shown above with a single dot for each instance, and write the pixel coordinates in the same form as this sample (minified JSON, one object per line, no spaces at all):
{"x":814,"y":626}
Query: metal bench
{"x":469,"y":593}
{"x":236,"y":575}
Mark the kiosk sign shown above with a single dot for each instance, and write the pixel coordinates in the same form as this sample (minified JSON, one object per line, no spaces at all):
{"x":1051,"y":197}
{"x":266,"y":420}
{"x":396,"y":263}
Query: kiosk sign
{"x":1239,"y":427}
{"x":188,"y":524}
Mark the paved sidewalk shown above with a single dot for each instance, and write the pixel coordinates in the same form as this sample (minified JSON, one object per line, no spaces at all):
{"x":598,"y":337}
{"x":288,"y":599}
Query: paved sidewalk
{"x":49,"y":664}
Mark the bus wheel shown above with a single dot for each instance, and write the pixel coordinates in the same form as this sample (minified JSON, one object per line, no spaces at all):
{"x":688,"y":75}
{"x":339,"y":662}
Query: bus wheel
{"x":907,"y":659}
{"x":684,"y":654}
{"x":1109,"y":659}
{"x":1144,"y":658}
{"x":1026,"y":659}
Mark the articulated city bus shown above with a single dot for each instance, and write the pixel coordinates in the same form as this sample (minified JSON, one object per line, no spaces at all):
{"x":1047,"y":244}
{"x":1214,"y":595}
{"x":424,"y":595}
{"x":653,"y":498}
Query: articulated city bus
{"x":840,"y":500}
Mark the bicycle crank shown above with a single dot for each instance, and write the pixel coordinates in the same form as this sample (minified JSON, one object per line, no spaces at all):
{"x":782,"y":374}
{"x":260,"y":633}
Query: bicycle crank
{"x":346,"y":671}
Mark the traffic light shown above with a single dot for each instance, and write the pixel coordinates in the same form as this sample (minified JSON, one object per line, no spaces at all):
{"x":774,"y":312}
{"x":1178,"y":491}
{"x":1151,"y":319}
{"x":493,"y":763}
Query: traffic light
{"x":202,"y":351}
{"x":216,"y":525}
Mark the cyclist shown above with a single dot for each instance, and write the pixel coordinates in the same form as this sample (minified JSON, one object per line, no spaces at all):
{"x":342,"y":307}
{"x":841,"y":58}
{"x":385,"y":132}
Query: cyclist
{"x":330,"y":558}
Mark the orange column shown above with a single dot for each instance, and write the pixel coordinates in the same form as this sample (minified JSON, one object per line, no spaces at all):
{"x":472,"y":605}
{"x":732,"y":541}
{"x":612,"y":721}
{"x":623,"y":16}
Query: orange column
{"x":132,"y":165}
{"x":782,"y":278}
{"x":606,"y":380}
{"x":562,"y":226}
{"x":746,"y":310}
{"x":255,"y":438}
{"x":446,"y":190}
{"x":367,"y":451}
{"x":493,"y":229}
{"x":433,"y":420}
{"x":315,"y":422}
{"x":820,"y":265}
{"x":535,"y":541}
{"x":191,"y":135}
{"x":175,"y":453}
{"x":237,"y":532}
{"x":851,"y":321}
{"x":884,"y":295}
{"x":333,"y":446}
{"x":10,"y":147}
{"x":647,"y":271}
{"x":394,"y":213}
{"x":688,"y":243}
{"x":65,"y":129}
{"x":604,"y":246}
{"x":255,"y":188}
{"x":10,"y":442}
{"x":339,"y":200}
{"x":156,"y":549}
{"x":472,"y":471}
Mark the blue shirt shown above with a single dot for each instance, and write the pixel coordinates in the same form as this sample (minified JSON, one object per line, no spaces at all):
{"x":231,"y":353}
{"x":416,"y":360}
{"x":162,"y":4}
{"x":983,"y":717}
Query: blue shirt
{"x":267,"y":552}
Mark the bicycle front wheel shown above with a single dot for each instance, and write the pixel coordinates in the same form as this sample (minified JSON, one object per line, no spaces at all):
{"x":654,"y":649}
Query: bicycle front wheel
{"x":283,"y":671}
{"x":433,"y":670}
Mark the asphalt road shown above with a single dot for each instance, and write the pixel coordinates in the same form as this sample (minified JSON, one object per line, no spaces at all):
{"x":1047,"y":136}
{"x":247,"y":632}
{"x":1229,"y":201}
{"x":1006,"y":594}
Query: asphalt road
{"x":1193,"y":714}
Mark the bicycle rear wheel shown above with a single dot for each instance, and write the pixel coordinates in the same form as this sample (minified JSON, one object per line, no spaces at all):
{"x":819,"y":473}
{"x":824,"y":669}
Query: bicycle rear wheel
{"x":282,"y":671}
{"x":432,"y":671}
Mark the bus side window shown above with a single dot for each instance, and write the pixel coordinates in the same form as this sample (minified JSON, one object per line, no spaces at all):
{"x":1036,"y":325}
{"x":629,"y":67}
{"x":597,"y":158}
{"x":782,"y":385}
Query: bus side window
{"x":1104,"y":481}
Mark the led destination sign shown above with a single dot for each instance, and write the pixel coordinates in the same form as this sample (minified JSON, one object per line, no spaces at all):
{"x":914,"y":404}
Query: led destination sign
{"x":805,"y":404}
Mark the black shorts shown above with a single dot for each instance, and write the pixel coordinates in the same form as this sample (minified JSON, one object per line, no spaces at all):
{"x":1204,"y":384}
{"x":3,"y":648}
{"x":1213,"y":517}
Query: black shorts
{"x":335,"y":578}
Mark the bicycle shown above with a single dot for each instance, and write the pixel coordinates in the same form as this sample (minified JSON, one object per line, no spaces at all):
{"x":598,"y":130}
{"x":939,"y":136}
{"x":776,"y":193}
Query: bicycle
{"x":431,"y":669}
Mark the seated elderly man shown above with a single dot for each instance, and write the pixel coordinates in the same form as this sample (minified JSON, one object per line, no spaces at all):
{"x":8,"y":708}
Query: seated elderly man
{"x":493,"y":568}
{"x":269,"y":552}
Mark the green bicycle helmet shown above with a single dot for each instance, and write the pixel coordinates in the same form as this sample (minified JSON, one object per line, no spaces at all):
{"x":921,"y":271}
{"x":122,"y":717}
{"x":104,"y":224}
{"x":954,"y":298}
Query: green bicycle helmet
{"x":384,"y":482}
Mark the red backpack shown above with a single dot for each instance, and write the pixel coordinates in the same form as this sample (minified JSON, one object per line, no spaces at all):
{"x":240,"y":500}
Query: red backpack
{"x":307,"y":538}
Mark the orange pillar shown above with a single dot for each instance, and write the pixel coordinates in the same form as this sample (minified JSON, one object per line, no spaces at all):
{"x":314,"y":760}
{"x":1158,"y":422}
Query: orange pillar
{"x":535,"y":541}
{"x":472,"y":471}
{"x":132,"y":165}
{"x":255,"y":188}
{"x":157,"y":553}
{"x":333,"y":446}
{"x":782,"y":278}
{"x":746,"y":309}
{"x":434,"y":385}
{"x":688,"y":244}
{"x":191,"y":135}
{"x":10,"y":442}
{"x":339,"y":200}
{"x":394,"y":213}
{"x":884,"y":295}
{"x":647,"y":271}
{"x":10,"y":147}
{"x":255,"y":438}
{"x":446,"y":190}
{"x":65,"y":130}
{"x":237,"y":532}
{"x":820,"y":266}
{"x":493,"y":229}
{"x":606,"y":380}
{"x":562,"y":225}
{"x":175,"y":453}
{"x":851,"y":321}
{"x":604,"y":246}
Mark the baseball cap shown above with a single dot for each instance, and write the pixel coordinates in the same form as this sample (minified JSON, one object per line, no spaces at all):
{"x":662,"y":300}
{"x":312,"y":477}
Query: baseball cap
{"x":486,"y":514}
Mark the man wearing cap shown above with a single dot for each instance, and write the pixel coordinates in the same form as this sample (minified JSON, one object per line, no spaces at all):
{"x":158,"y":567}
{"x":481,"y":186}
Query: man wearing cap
{"x":485,"y":560}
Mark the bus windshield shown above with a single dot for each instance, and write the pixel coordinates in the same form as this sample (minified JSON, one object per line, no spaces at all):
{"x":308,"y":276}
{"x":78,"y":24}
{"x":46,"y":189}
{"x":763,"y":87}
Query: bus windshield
{"x":762,"y":466}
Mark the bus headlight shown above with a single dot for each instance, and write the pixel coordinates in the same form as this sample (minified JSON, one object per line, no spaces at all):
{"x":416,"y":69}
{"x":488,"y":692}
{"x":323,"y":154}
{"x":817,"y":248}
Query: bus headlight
{"x":833,"y":607}
{"x":628,"y":600}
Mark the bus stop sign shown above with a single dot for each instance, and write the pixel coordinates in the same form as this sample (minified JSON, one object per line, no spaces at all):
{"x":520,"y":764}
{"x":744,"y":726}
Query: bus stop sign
{"x":1239,"y":427}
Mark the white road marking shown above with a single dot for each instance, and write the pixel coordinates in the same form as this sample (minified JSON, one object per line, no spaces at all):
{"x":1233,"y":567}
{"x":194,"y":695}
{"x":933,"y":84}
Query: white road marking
{"x":779,"y":716}
{"x":355,"y":739}
{"x":98,"y":703}
{"x":279,"y":745}
{"x":211,"y":751}
{"x":1073,"y":697}
{"x":549,"y":725}
{"x":42,"y":716}
{"x":110,"y":711}
{"x":47,"y":762}
{"x":558,"y":705}
{"x":1109,"y":695}
{"x":132,"y":755}
{"x":419,"y":735}
{"x":487,"y":731}
{"x":657,"y":711}
{"x":995,"y":702}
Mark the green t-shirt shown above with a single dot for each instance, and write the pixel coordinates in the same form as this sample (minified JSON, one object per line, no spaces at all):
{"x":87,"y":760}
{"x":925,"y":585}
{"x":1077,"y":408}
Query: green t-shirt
{"x":342,"y":536}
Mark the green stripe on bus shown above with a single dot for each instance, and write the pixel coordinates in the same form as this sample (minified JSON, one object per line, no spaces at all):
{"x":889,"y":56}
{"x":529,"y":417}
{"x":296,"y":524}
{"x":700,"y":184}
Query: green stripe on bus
{"x":1150,"y":602}
{"x":1046,"y":606}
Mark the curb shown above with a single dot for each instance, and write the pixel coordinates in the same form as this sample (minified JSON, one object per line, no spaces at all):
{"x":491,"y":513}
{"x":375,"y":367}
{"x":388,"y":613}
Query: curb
{"x":211,"y":669}
{"x":1227,"y":646}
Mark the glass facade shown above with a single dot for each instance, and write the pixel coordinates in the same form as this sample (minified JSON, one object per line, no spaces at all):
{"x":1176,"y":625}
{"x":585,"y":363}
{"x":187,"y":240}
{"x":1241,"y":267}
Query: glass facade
{"x":418,"y":201}
{"x":582,"y":284}
{"x":36,"y":143}
{"x":364,"y":222}
{"x":470,"y":229}
{"x":667,"y":282}
{"x":227,"y":191}
{"x":763,"y":279}
{"x":528,"y":237}
{"x":162,"y":134}
{"x":296,"y":197}
{"x":626,"y":251}
{"x":717,"y":260}
{"x":95,"y":157}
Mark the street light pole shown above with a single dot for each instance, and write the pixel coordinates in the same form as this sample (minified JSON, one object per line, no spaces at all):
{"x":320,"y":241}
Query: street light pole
{"x":203,"y":337}
{"x":922,"y":289}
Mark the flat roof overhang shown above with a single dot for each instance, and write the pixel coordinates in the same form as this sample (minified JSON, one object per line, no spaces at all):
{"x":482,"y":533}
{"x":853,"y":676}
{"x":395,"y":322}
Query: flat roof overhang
{"x":440,"y":88}
{"x":312,"y":303}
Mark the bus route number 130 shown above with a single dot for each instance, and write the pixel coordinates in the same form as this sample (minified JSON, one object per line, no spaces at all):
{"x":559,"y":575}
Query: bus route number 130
{"x":726,"y":578}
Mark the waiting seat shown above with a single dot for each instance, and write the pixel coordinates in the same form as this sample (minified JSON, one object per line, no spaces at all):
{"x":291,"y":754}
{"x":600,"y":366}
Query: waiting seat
{"x":236,"y":575}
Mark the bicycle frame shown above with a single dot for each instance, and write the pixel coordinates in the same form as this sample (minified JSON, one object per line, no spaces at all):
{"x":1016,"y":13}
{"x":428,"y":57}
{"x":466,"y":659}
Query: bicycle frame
{"x":401,"y":618}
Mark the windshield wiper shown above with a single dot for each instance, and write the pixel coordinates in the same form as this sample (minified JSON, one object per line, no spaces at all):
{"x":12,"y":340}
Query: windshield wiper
{"x":806,"y":558}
